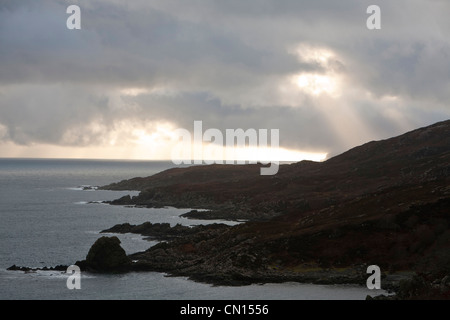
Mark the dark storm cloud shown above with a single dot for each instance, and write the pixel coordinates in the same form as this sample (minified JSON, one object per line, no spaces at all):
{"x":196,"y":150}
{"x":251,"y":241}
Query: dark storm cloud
{"x":224,"y":63}
{"x":117,"y":45}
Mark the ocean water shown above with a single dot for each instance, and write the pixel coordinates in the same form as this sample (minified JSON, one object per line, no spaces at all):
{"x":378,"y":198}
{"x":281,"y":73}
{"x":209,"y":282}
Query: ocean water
{"x":47,"y":219}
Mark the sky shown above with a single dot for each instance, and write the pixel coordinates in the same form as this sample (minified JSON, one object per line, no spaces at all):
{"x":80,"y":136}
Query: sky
{"x":119,"y":87}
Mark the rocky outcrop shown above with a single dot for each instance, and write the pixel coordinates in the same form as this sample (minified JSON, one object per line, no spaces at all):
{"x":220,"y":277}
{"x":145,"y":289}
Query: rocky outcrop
{"x":162,"y":231}
{"x":420,"y":287}
{"x":30,"y":269}
{"x":106,"y":255}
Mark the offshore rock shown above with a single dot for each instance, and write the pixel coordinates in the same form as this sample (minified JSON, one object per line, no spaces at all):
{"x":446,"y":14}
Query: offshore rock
{"x":106,"y":255}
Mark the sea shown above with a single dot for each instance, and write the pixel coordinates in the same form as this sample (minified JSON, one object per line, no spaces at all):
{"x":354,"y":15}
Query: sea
{"x":51,"y":213}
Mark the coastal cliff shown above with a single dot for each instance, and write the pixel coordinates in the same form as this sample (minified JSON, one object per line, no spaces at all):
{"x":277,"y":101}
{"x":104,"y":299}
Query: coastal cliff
{"x":385,"y":203}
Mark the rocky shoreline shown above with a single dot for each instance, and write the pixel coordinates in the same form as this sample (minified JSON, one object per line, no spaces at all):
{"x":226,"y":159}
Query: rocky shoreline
{"x":201,"y":207}
{"x":252,"y":252}
{"x":383,"y":203}
{"x":175,"y":257}
{"x":162,"y":231}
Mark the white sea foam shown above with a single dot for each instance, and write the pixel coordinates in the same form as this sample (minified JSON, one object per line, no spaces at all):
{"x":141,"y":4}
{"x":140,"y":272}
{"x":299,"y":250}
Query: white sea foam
{"x":84,"y":188}
{"x":81,"y":202}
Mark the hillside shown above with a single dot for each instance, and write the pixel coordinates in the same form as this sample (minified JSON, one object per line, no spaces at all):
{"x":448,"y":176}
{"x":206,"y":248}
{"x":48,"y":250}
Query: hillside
{"x":385,"y":203}
{"x":239,"y":192}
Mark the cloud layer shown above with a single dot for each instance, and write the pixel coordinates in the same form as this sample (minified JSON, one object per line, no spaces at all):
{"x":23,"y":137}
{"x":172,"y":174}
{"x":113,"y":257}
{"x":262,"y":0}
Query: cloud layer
{"x":139,"y":69}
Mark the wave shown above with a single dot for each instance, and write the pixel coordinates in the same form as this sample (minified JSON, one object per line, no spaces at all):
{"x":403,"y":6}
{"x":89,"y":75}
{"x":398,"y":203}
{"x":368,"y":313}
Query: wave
{"x":84,"y":188}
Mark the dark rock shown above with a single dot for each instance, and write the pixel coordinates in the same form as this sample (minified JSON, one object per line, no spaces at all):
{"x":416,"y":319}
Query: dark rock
{"x":29,"y":269}
{"x":106,"y":255}
{"x":18,"y":268}
{"x":125,"y":200}
{"x":162,"y":231}
{"x":445,"y":281}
